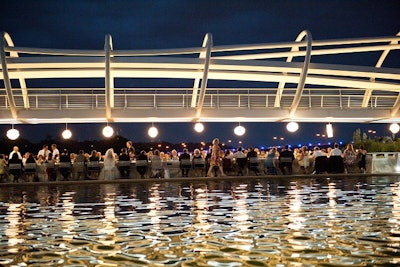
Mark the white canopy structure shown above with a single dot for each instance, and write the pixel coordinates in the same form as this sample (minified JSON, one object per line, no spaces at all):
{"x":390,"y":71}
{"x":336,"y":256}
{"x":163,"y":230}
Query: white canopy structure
{"x":304,"y":80}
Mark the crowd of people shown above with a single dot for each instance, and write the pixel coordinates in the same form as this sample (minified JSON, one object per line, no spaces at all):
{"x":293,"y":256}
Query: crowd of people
{"x":49,"y":164}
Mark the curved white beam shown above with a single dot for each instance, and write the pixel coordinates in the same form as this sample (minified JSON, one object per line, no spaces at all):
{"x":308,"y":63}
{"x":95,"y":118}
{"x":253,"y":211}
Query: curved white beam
{"x":196,"y":83}
{"x":6,"y":78}
{"x":204,"y":80}
{"x":385,"y":52}
{"x":109,"y":82}
{"x":303,"y":75}
{"x":281,"y":85}
{"x":22,"y":82}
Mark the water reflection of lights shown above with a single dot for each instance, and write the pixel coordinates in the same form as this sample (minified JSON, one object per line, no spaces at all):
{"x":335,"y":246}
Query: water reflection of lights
{"x":155,"y":208}
{"x":13,"y":230}
{"x":202,"y":206}
{"x":295,"y":207}
{"x":110,"y":220}
{"x":332,"y":195}
{"x":396,"y":205}
{"x":67,"y":216}
{"x":240,"y":212}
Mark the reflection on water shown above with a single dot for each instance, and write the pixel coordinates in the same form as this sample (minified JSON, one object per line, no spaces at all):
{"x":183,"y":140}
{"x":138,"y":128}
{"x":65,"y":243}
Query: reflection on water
{"x":270,"y":222}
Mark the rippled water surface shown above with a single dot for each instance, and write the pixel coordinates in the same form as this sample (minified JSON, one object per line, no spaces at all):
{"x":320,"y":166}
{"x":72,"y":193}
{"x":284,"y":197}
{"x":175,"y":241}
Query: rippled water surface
{"x":270,"y":222}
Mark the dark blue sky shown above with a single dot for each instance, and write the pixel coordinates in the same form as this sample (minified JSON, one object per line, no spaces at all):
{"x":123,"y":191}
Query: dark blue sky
{"x":83,"y":24}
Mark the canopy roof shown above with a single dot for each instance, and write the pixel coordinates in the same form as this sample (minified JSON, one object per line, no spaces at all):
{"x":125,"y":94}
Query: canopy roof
{"x":306,"y":80}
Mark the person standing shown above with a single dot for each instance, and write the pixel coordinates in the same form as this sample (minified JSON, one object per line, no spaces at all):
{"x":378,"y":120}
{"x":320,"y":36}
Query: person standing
{"x":55,"y":152}
{"x":215,"y":160}
{"x":130,"y":149}
{"x":349,"y":157}
{"x":44,"y":152}
{"x":361,"y":158}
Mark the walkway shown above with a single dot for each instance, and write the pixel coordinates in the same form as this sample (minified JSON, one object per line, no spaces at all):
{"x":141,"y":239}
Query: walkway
{"x":304,"y":80}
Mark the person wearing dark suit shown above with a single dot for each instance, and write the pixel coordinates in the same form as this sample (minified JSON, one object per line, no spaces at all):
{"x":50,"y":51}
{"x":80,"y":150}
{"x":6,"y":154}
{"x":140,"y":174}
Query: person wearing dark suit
{"x":15,"y":171}
{"x":184,"y":159}
{"x":124,"y":169}
{"x":65,"y":168}
{"x":286,"y":158}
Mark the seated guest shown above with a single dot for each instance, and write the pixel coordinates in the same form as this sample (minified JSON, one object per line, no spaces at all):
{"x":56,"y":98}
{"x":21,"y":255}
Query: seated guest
{"x":15,"y":151}
{"x":40,"y":174}
{"x":93,"y":167}
{"x":30,"y":168}
{"x":303,"y":158}
{"x":240,"y":160}
{"x":286,"y":158}
{"x":3,"y":165}
{"x":79,"y":166}
{"x":156,"y":165}
{"x":185,"y":163}
{"x":110,"y":170}
{"x":141,"y":163}
{"x":270,"y":161}
{"x":50,"y":170}
{"x":320,"y":161}
{"x":227,"y":163}
{"x":15,"y":167}
{"x":336,"y":164}
{"x":199,"y":163}
{"x":174,"y":155}
{"x":124,"y":163}
{"x":65,"y":165}
{"x":252,"y":157}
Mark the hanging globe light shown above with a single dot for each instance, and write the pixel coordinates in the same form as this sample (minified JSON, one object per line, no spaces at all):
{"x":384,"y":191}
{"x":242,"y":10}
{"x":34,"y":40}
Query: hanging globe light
{"x":108,"y":131}
{"x":66,"y":134}
{"x":153,"y":132}
{"x":394,"y":128}
{"x":12,"y":134}
{"x":239,"y":130}
{"x":292,"y":126}
{"x":199,"y":127}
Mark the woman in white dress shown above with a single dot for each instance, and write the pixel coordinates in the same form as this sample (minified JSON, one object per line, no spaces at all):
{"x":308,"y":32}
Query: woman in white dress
{"x":110,"y":170}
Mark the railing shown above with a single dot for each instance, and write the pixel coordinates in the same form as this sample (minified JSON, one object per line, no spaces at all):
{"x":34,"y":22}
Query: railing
{"x":219,"y":98}
{"x":384,"y":162}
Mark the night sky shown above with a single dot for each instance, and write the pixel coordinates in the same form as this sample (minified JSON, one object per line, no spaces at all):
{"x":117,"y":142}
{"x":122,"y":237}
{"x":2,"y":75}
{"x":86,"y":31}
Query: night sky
{"x":83,"y":24}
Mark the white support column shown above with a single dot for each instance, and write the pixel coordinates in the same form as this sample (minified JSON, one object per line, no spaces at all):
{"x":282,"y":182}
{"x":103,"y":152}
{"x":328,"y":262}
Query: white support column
{"x":109,"y":81}
{"x":303,"y":74}
{"x":204,"y":80}
{"x":7,"y":82}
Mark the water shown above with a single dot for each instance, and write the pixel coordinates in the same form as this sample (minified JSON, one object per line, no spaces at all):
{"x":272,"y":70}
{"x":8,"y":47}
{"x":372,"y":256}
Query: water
{"x":269,"y":222}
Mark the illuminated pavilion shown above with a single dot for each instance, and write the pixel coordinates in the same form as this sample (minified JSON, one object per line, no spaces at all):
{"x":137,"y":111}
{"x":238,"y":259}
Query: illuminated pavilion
{"x":305,"y":80}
